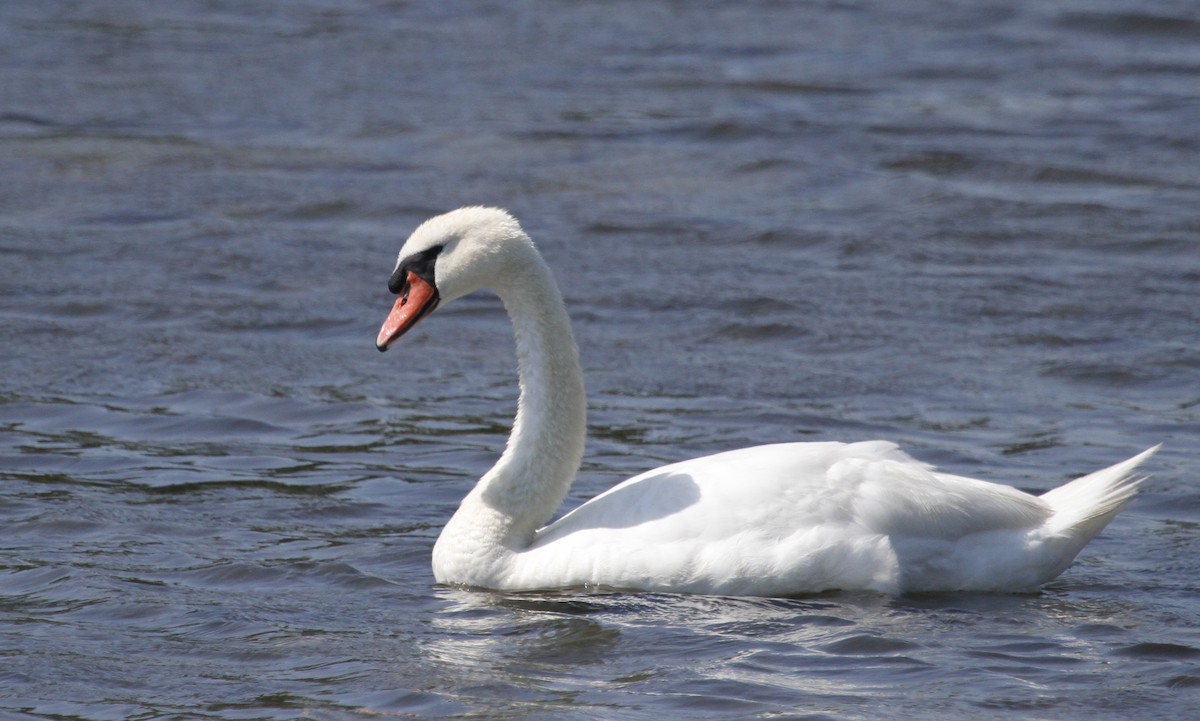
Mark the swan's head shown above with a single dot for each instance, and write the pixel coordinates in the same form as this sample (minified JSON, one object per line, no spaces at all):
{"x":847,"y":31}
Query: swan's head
{"x":447,"y":257}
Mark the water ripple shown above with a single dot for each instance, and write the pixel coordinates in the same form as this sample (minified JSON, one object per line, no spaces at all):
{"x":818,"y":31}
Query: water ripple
{"x":969,"y":227}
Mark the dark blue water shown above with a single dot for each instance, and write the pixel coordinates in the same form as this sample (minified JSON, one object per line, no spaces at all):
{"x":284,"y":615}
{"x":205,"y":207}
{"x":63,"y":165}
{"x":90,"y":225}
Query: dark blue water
{"x":968,"y":227}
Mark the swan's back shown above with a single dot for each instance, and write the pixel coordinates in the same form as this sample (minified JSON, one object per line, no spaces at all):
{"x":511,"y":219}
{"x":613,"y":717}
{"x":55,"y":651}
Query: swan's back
{"x":805,"y":517}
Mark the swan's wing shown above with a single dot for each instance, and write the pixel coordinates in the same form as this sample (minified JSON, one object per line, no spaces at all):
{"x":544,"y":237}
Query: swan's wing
{"x":910,"y":499}
{"x":752,"y":521}
{"x":783,"y":519}
{"x":775,"y":490}
{"x":705,"y":498}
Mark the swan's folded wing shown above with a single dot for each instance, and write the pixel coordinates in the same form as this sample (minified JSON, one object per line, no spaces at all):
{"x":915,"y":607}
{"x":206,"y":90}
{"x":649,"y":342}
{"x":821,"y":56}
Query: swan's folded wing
{"x":907,"y":498}
{"x":775,"y":490}
{"x":708,"y":498}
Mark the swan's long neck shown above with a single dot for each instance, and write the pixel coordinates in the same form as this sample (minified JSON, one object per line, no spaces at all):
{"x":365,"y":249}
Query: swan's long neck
{"x":544,"y":449}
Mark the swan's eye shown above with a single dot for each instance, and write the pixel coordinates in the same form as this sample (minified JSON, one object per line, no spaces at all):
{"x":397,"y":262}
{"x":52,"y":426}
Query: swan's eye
{"x":420,"y":265}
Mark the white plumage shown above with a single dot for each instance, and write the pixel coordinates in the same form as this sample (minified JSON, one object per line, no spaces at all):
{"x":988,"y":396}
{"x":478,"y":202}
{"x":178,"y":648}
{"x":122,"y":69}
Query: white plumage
{"x":770,"y":520}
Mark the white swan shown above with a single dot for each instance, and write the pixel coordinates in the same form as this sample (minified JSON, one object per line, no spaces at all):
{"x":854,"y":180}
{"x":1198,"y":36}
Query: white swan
{"x":768,"y":521}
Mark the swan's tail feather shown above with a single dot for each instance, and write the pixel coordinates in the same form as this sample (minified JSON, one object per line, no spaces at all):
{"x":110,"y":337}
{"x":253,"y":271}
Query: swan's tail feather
{"x":1083,"y":507}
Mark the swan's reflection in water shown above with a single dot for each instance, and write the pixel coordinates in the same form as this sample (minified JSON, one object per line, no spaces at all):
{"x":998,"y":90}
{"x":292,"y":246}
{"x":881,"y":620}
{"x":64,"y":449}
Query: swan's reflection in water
{"x":507,"y":654}
{"x":558,"y":652}
{"x":522,"y":631}
{"x":554,"y":650}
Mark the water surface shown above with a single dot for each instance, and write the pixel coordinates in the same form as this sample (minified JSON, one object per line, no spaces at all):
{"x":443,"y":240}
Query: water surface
{"x":970,"y":228}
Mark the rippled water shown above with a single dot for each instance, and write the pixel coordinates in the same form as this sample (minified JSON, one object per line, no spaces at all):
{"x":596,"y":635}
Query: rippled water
{"x":968,"y":227}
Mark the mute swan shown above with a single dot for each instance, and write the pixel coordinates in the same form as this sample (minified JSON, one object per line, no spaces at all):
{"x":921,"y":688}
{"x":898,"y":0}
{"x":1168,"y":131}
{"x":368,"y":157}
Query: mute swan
{"x":770,"y":520}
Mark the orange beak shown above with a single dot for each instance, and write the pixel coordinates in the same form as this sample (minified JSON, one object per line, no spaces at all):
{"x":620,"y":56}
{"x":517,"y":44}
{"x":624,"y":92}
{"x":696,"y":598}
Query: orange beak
{"x":417,"y":298}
